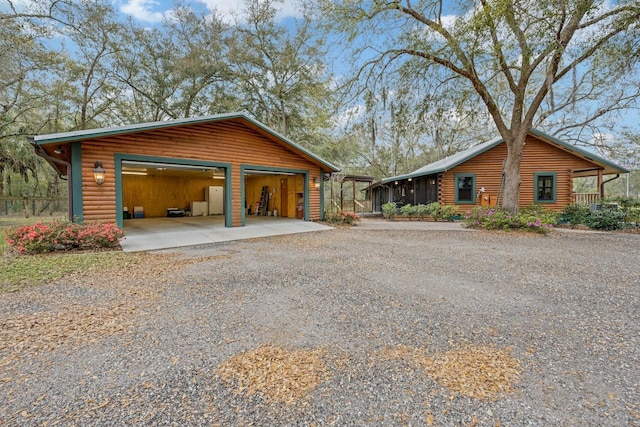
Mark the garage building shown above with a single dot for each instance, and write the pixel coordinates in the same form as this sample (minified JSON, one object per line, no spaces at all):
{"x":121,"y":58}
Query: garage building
{"x":228,"y":165}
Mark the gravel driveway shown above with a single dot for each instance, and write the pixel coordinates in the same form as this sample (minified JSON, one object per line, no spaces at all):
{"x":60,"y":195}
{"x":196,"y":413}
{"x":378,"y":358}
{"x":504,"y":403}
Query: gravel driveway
{"x":364,"y":326}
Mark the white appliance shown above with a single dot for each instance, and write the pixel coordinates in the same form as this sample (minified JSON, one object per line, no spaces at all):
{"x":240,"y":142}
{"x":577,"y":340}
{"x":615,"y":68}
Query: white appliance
{"x":214,"y":196}
{"x":199,"y":208}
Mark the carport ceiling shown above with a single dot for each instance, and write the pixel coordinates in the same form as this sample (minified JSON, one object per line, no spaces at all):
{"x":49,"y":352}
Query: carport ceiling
{"x":172,"y":170}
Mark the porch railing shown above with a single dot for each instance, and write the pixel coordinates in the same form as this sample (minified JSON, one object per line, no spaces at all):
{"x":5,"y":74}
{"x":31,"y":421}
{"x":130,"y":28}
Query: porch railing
{"x":586,"y":198}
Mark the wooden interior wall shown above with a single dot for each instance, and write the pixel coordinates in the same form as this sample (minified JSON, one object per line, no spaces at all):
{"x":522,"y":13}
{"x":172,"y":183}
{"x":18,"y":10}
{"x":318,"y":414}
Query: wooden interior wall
{"x":232,"y":142}
{"x":538,"y":156}
{"x":157,"y":193}
{"x":253,"y":189}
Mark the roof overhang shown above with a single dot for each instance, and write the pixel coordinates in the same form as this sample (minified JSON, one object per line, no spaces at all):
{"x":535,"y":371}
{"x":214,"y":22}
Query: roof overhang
{"x":60,"y":139}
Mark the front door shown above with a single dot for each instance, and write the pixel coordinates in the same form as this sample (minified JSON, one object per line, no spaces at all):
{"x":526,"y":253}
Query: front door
{"x":432,"y":189}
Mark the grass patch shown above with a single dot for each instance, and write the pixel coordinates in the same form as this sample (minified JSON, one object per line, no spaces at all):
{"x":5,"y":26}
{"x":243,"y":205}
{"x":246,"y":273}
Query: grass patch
{"x":19,"y":271}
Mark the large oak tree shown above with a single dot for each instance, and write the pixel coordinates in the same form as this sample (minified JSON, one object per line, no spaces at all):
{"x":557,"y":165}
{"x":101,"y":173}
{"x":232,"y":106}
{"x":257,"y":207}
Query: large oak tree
{"x":512,"y":53}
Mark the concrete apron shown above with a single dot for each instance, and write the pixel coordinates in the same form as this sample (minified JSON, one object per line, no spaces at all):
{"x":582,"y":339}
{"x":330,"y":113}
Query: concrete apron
{"x":146,"y":234}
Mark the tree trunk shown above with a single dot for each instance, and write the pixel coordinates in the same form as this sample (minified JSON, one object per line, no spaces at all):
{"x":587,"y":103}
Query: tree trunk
{"x":511,"y":190}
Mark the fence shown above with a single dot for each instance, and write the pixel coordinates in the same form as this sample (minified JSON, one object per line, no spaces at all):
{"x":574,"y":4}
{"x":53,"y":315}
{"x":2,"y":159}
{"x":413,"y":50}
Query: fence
{"x":357,"y":206}
{"x":586,"y":198}
{"x":16,"y":205}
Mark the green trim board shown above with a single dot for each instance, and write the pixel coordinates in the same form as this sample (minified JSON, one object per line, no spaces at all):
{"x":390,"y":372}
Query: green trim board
{"x":76,"y":182}
{"x":322,"y":216}
{"x":473,"y":188}
{"x":120,"y":157}
{"x":303,"y":172}
{"x":83,"y":135}
{"x":536,"y":188}
{"x":306,"y":196}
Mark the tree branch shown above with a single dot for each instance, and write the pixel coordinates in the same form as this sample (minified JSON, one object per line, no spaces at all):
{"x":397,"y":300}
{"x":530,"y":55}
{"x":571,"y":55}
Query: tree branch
{"x":497,"y":49}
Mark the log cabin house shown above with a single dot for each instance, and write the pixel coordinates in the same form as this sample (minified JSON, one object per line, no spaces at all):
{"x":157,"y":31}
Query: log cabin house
{"x":228,"y":164}
{"x":474,"y":176}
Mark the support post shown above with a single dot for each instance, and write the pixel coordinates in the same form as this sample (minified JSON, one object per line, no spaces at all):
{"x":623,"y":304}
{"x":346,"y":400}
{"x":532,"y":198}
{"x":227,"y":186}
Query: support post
{"x":600,"y":184}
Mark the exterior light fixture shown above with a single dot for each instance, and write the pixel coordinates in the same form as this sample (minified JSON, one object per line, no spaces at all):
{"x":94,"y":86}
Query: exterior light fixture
{"x":99,"y":173}
{"x":59,"y":150}
{"x":316,"y":182}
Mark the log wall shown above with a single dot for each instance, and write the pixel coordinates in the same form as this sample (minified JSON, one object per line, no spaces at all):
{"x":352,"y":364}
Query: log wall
{"x":538,"y":156}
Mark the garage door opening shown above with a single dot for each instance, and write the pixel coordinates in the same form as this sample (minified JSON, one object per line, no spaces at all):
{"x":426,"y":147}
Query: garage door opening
{"x":168,"y":190}
{"x":273,"y":194}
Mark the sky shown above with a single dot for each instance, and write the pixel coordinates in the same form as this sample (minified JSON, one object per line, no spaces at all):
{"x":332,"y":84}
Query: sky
{"x":153,"y":11}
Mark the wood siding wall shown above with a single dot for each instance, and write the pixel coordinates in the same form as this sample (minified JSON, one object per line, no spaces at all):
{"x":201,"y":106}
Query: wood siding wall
{"x":538,"y":156}
{"x":229,"y":141}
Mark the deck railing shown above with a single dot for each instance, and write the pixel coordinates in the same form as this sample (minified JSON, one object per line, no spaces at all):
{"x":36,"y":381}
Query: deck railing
{"x":586,"y":198}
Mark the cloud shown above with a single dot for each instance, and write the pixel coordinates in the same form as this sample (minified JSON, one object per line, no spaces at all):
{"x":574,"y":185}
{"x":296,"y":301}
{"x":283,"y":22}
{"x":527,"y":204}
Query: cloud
{"x":227,"y":9}
{"x":350,"y":115}
{"x":143,"y":10}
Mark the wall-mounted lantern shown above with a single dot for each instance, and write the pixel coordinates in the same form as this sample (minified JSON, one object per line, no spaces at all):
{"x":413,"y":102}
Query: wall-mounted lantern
{"x":99,"y":173}
{"x":316,"y":183}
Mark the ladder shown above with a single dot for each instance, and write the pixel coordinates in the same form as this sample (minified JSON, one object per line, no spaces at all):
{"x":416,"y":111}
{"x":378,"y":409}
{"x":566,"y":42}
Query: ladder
{"x":264,"y":201}
{"x":499,"y":196}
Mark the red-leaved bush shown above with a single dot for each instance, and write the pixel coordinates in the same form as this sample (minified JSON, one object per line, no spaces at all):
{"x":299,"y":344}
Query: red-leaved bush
{"x":342,"y":218}
{"x":63,"y":236}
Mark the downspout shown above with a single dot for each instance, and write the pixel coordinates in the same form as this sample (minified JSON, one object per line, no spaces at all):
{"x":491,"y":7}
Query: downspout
{"x":604,"y":182}
{"x":40,"y":152}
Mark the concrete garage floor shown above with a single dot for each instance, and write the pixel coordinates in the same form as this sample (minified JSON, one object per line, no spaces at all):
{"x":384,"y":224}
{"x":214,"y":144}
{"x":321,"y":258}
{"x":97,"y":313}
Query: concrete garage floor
{"x":145,"y":234}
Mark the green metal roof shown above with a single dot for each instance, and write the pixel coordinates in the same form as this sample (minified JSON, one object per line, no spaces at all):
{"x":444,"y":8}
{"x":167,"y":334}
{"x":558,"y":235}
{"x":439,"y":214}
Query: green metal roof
{"x":450,"y":162}
{"x":83,"y":135}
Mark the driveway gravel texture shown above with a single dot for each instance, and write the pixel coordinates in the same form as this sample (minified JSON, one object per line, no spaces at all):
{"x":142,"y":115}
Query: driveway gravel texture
{"x":351,"y":326}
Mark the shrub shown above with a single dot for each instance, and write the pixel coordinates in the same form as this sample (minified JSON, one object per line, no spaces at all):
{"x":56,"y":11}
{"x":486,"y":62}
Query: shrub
{"x":631,"y":208}
{"x":63,"y":236}
{"x":623,"y":212}
{"x":532,"y":218}
{"x":605,"y":219}
{"x":389,"y":210}
{"x":408,"y":210}
{"x":632,"y":215}
{"x":434,"y":209}
{"x":447,"y":212}
{"x":343,"y":218}
{"x":422,"y":210}
{"x":535,"y":218}
{"x":576,"y":214}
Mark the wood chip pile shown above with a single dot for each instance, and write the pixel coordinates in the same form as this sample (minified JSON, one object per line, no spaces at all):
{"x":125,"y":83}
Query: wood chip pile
{"x":50,"y":330}
{"x":480,"y":372}
{"x":276,"y":373}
